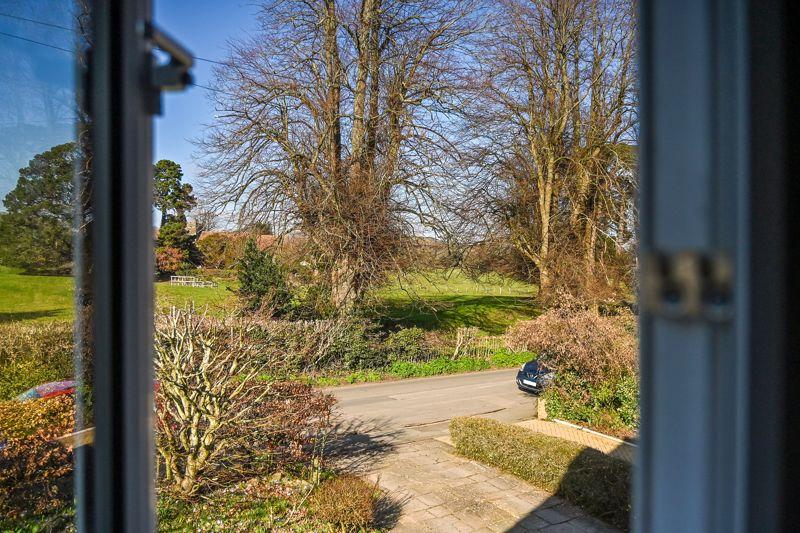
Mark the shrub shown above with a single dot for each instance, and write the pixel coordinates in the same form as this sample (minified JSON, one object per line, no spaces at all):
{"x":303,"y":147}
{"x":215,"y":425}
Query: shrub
{"x":594,"y":481}
{"x":439,"y":343}
{"x":407,"y":344}
{"x":204,"y":374}
{"x":627,"y":398}
{"x":286,"y":430}
{"x":299,"y":344}
{"x":507,"y":358}
{"x":612,"y":407}
{"x":438,"y":366}
{"x":35,"y":470}
{"x":346,"y":501}
{"x":596,"y":347}
{"x":596,"y":364}
{"x":31,"y":354}
{"x":262,"y":284}
{"x":169,"y":259}
{"x":35,"y":477}
{"x":24,"y":419}
{"x":357,"y":347}
{"x":341,"y":342}
{"x":216,"y":420}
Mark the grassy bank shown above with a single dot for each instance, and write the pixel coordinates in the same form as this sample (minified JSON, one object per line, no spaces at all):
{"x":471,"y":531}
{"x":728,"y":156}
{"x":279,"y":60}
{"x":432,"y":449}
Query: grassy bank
{"x":39,"y":298}
{"x":450,"y":299}
{"x":437,"y":300}
{"x":435,"y":367}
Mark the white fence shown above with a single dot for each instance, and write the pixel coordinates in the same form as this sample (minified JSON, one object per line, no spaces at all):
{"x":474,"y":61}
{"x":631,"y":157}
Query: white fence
{"x":190,"y":281}
{"x":470,"y":344}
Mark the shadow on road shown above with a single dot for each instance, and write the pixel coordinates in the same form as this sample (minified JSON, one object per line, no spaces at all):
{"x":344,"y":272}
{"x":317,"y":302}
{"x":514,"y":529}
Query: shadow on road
{"x":356,"y":444}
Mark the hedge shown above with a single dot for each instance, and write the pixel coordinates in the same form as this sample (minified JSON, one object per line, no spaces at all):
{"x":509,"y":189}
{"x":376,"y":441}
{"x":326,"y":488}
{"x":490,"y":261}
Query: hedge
{"x":590,"y":479}
{"x":32,"y":354}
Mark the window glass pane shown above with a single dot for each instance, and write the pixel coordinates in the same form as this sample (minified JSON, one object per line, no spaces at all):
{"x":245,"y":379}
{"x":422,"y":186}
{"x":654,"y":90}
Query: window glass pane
{"x":43,"y":162}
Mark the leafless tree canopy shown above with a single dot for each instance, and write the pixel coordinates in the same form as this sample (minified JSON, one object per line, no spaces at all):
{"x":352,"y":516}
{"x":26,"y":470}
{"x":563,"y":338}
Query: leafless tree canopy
{"x":358,"y":121}
{"x":552,"y":123}
{"x":334,"y":121}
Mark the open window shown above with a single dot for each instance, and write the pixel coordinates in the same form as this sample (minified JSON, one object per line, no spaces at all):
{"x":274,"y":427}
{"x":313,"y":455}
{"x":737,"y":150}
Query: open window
{"x":81,"y":81}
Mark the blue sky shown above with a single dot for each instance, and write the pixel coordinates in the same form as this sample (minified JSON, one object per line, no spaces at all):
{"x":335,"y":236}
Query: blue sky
{"x":204,"y":27}
{"x":37,"y":79}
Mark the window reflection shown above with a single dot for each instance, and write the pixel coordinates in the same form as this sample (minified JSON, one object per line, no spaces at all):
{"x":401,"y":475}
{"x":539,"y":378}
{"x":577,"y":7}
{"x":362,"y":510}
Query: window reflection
{"x":43,"y":164}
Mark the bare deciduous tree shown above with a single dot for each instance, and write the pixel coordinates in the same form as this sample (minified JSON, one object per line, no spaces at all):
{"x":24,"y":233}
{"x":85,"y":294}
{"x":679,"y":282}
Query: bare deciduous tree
{"x":333,"y":121}
{"x":552,"y":121}
{"x":204,"y":220}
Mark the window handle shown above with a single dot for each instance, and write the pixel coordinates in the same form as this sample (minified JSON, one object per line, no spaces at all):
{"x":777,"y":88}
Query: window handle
{"x":173,"y":75}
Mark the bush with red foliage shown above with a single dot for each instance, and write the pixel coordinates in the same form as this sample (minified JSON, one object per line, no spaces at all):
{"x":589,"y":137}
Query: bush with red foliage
{"x":597,"y":347}
{"x":35,"y":469}
{"x":169,"y":260}
{"x":285,"y":430}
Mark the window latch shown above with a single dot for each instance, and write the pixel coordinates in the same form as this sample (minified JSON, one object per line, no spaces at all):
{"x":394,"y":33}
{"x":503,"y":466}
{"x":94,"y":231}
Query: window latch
{"x":172,"y":75}
{"x":688,"y":285}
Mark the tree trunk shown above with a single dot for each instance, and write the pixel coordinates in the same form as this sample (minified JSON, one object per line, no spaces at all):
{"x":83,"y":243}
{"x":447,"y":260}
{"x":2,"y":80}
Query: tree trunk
{"x":364,"y":63}
{"x":545,"y":208}
{"x":374,"y":90}
{"x":345,"y":290}
{"x":590,"y":241}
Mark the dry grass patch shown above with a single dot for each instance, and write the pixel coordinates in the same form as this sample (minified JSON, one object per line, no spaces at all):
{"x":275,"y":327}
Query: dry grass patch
{"x":347,"y":501}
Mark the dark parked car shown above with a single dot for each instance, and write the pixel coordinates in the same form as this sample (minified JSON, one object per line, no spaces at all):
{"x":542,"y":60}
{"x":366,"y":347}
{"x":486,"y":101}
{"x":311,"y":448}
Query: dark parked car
{"x":533,"y":377}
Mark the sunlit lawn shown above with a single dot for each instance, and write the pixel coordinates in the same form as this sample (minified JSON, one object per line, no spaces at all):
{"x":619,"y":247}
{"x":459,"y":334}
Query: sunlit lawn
{"x":434,"y":300}
{"x":215,"y":299}
{"x":50,"y":297}
{"x":451,"y":299}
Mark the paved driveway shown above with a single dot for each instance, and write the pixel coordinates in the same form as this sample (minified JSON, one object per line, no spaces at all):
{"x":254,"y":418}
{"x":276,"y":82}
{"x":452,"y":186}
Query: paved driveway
{"x":388,"y":432}
{"x":417,"y":409}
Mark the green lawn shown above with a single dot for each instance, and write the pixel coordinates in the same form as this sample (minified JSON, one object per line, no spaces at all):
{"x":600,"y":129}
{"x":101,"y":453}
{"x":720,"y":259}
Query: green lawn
{"x":450,"y":299}
{"x":215,"y":299}
{"x":34,"y":297}
{"x":436,"y":300}
{"x":43,"y":298}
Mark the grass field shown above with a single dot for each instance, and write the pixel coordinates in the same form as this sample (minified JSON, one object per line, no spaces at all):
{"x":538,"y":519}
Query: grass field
{"x":451,"y":299}
{"x":435,"y":300}
{"x":41,"y":298}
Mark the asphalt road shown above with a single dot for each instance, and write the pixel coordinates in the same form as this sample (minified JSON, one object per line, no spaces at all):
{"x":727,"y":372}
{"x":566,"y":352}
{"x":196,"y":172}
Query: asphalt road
{"x":418,"y":409}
